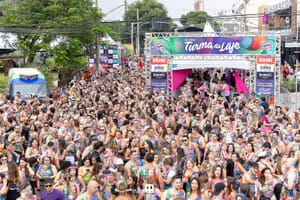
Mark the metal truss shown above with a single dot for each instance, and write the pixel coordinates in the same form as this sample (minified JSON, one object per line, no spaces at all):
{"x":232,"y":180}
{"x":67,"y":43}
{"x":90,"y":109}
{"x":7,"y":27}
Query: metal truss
{"x":250,"y":58}
{"x":277,"y":70}
{"x":213,"y":57}
{"x":147,"y":64}
{"x":201,"y":34}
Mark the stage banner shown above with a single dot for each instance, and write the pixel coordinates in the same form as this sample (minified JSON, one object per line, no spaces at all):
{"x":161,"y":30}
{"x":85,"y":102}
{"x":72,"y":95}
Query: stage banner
{"x":233,"y":45}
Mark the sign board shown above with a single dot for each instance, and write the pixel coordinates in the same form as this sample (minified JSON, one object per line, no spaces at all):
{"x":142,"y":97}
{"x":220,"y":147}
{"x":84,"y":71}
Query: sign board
{"x":233,"y":45}
{"x":265,"y":78}
{"x":265,"y":63}
{"x":159,"y":84}
{"x":159,"y":75}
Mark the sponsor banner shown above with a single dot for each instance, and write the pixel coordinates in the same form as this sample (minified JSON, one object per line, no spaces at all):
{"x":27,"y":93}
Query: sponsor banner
{"x":265,"y":86}
{"x":265,"y":68}
{"x":265,"y":60}
{"x":265,"y":75}
{"x":159,"y":60}
{"x":109,"y":57}
{"x":159,"y":68}
{"x":159,"y":84}
{"x":265,"y":63}
{"x":243,"y":45}
{"x":159,"y":75}
{"x":92,"y":60}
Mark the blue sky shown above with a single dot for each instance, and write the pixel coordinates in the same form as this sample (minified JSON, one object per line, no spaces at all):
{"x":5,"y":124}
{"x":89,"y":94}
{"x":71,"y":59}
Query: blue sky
{"x":175,"y":7}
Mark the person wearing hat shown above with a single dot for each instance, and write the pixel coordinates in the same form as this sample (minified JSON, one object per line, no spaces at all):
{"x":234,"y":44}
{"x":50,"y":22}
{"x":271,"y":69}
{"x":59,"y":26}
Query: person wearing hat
{"x":110,"y":183}
{"x":51,"y":193}
{"x":219,"y":191}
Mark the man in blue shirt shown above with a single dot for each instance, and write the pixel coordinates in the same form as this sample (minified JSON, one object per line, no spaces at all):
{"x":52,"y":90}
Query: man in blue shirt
{"x":51,"y":193}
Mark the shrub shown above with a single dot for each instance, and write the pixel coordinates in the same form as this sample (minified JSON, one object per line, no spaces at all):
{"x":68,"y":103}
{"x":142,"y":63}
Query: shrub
{"x":289,"y":84}
{"x":3,"y":83}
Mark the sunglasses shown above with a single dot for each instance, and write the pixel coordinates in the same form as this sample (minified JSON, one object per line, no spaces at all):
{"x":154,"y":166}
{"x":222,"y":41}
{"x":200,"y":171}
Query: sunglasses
{"x":48,"y":186}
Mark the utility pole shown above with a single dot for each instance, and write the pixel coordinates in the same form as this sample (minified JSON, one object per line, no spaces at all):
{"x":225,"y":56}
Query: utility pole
{"x":97,"y":46}
{"x":245,"y":13}
{"x":138,"y":33}
{"x":132,"y":45}
{"x":125,"y":6}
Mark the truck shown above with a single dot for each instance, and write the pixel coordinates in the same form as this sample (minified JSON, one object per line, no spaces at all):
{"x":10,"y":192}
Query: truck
{"x":26,"y":81}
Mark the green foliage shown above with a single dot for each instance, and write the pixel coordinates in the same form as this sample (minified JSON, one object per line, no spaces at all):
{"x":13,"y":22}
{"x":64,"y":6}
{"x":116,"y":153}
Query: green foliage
{"x":197,"y":19}
{"x":3,"y":83}
{"x":39,"y":23}
{"x":116,"y":28}
{"x":289,"y":84}
{"x":147,"y":10}
{"x":69,"y":54}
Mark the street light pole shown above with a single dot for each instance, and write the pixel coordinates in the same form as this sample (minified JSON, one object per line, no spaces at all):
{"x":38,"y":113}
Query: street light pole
{"x":245,"y":20}
{"x":297,"y":76}
{"x":132,"y":45}
{"x":97,"y":47}
{"x":138,"y":33}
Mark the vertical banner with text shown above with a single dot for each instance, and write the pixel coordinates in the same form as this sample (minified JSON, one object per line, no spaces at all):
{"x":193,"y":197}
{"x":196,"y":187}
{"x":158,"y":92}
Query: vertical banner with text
{"x":265,"y":78}
{"x":159,"y":70}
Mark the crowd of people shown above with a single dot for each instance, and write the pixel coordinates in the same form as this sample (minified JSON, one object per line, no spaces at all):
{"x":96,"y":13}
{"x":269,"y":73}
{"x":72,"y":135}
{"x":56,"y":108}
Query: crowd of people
{"x":110,"y":137}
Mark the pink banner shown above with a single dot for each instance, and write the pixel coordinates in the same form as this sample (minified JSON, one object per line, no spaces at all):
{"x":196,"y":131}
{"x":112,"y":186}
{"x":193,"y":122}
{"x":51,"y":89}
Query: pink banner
{"x":241,"y":87}
{"x":179,"y":76}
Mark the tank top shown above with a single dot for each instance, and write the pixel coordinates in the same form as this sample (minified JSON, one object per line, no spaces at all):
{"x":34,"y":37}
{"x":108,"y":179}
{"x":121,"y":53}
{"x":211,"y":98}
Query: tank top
{"x":152,"y":196}
{"x":191,"y":153}
{"x":44,"y":173}
{"x":267,"y":190}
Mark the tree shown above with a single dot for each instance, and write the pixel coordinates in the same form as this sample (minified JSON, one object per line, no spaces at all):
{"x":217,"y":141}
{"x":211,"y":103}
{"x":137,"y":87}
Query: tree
{"x":197,"y":19}
{"x":147,"y":10}
{"x":63,"y":29}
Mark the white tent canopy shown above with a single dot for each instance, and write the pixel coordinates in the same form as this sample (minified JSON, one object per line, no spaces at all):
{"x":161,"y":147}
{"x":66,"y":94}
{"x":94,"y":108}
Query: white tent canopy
{"x":208,"y":28}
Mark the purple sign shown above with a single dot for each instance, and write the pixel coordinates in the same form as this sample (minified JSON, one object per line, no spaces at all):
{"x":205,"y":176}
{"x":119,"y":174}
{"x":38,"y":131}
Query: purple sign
{"x":265,"y":83}
{"x":159,"y":84}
